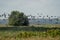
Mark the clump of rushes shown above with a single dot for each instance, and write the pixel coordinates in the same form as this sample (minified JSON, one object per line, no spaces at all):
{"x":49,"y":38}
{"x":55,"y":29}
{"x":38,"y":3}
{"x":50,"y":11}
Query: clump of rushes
{"x":53,"y":33}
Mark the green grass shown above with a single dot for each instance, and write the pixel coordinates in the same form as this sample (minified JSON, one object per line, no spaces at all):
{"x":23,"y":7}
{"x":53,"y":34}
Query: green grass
{"x":28,"y":34}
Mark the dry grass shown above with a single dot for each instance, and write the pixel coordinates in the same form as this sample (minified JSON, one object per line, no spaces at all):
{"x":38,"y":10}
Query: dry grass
{"x":35,"y":25}
{"x":33,"y":38}
{"x":2,"y":25}
{"x":42,"y":38}
{"x":46,"y":25}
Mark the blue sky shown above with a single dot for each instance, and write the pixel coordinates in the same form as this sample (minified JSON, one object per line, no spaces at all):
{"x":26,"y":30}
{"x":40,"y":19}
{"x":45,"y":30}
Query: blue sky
{"x":45,"y":7}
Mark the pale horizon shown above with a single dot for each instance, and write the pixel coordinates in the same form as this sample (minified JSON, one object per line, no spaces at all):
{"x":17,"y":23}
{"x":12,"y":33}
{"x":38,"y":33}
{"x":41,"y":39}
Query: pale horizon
{"x":45,"y":7}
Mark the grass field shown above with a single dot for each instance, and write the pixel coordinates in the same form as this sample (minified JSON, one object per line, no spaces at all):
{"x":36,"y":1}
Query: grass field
{"x":30,"y":35}
{"x":40,"y":25}
{"x":37,"y":32}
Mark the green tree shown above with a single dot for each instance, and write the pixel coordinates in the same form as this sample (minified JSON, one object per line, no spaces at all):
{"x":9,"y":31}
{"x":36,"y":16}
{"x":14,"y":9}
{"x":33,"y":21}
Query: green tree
{"x":18,"y":19}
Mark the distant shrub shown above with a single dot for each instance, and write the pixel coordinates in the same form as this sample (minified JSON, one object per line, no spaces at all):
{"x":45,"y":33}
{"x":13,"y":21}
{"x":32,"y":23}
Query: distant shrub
{"x":18,"y":19}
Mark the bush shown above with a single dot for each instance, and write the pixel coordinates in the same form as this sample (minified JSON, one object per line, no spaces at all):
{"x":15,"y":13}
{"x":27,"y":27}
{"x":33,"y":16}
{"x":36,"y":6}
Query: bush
{"x":18,"y":19}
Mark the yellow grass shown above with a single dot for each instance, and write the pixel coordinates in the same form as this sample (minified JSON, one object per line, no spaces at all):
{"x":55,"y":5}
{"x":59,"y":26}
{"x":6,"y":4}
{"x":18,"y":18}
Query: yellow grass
{"x":33,"y":38}
{"x":46,"y":25}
